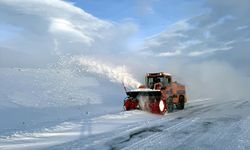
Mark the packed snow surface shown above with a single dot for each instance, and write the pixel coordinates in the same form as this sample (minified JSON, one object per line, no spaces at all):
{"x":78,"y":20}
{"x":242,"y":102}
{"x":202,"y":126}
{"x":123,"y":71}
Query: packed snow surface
{"x":204,"y":124}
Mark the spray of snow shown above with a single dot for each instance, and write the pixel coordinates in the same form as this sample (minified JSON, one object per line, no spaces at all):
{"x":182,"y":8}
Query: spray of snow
{"x":142,"y":101}
{"x":117,"y":74}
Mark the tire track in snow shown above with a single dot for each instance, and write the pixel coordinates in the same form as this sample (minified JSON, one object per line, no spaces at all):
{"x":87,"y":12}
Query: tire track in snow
{"x":190,"y":114}
{"x":124,"y":132}
{"x":155,"y":141}
{"x":155,"y":136}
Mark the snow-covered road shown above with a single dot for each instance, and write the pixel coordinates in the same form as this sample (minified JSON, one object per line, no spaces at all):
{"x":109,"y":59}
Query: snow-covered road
{"x":204,"y":124}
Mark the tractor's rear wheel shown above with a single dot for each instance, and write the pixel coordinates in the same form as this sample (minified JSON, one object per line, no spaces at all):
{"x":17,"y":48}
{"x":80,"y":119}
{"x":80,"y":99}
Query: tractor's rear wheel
{"x":170,"y":105}
{"x":181,"y":104}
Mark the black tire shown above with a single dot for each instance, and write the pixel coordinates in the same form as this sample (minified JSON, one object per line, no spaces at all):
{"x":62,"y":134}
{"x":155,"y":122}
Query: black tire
{"x":170,"y":105}
{"x":181,"y":104}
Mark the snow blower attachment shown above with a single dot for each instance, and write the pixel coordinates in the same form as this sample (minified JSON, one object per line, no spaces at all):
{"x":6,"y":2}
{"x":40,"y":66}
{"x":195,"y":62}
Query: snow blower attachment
{"x":158,"y":95}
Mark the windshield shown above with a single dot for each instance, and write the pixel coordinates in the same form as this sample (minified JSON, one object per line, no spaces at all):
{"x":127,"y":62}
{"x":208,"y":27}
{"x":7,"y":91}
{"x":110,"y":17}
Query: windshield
{"x":164,"y":80}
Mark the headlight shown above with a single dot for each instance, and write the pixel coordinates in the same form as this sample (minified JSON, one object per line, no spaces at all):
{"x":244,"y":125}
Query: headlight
{"x":161,"y":105}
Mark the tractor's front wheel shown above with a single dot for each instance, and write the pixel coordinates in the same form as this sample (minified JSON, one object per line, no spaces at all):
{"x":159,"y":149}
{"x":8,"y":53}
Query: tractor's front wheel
{"x":170,"y":104}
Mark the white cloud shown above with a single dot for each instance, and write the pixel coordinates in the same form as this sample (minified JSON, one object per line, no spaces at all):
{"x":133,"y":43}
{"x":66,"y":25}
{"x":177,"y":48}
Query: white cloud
{"x":168,"y":54}
{"x":230,"y":42}
{"x":66,"y":28}
{"x":172,"y":30}
{"x":167,"y":40}
{"x":145,"y":7}
{"x":241,"y":27}
{"x":205,"y":34}
{"x":247,"y":40}
{"x":208,"y":51}
{"x":221,"y":21}
{"x":57,"y":17}
{"x":58,"y":27}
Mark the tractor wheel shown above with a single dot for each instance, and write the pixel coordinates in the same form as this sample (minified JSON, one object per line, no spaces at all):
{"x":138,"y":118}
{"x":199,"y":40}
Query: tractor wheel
{"x":170,"y":104}
{"x":181,"y":104}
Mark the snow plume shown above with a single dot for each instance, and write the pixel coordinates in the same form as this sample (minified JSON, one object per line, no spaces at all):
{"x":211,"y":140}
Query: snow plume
{"x":117,"y":74}
{"x":142,"y":101}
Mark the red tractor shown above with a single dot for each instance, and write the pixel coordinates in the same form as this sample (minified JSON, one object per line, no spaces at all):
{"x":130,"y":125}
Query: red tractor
{"x":158,"y":95}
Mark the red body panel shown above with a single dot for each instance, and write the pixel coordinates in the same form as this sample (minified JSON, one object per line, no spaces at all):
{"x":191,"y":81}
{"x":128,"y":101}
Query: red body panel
{"x":130,"y":104}
{"x":153,"y":107}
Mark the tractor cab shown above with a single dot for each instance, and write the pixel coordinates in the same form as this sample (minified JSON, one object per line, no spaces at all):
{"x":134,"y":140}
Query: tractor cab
{"x":162,"y":78}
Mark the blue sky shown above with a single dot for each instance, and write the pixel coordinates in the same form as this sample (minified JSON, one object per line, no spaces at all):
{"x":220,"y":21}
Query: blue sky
{"x":151,"y":16}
